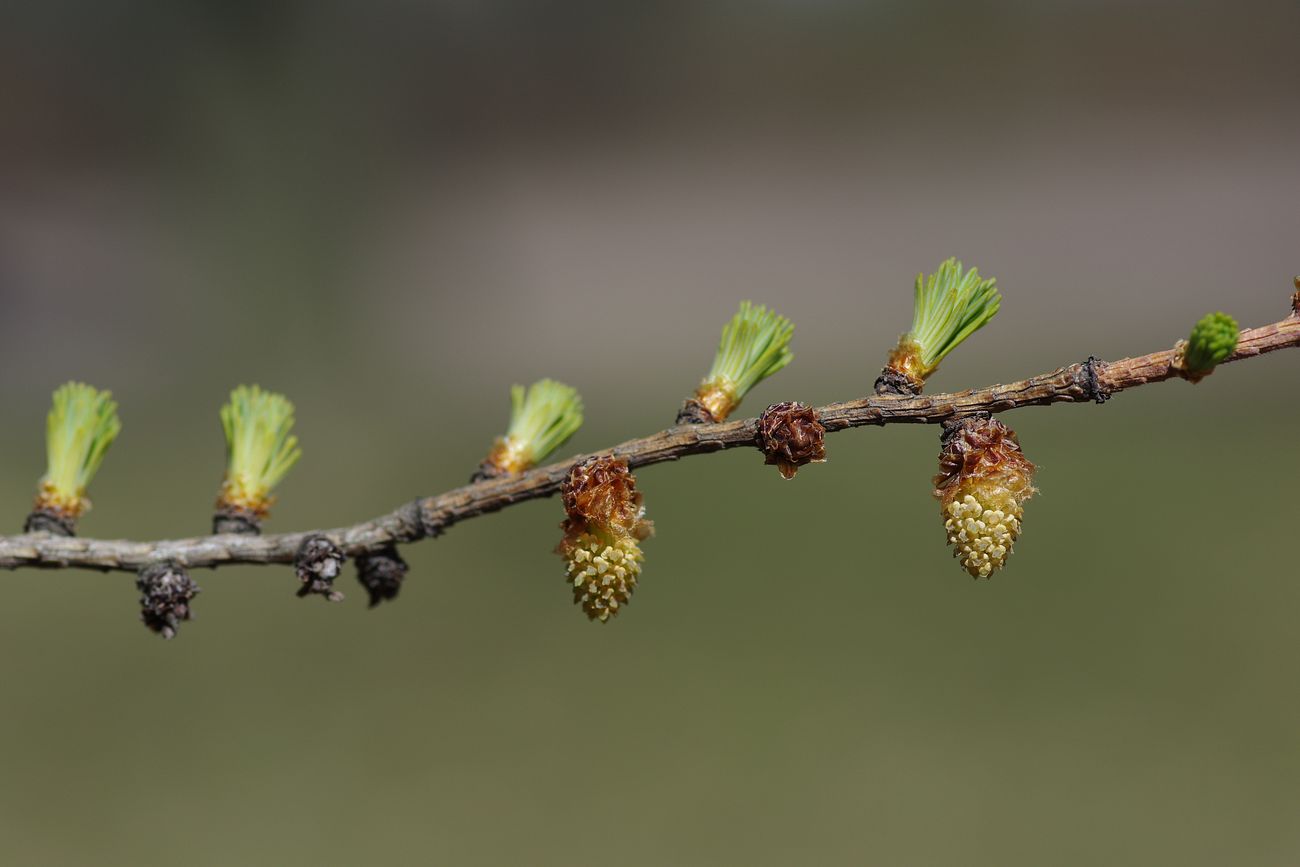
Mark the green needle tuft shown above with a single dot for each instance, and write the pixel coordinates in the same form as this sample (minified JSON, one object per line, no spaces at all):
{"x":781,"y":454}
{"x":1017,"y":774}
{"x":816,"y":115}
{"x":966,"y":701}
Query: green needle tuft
{"x":950,"y":306}
{"x":81,"y":426}
{"x":260,"y":446}
{"x":542,"y":418}
{"x":1213,"y":339}
{"x":755,"y":344}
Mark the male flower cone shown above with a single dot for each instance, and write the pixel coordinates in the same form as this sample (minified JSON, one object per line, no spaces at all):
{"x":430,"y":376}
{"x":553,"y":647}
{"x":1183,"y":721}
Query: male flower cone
{"x":983,"y":480}
{"x":605,"y":524}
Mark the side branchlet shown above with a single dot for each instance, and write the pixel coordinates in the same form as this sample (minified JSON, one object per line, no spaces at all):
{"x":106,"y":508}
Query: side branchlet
{"x":260,"y":451}
{"x":542,"y":418}
{"x":951,"y":305}
{"x":755,"y":344}
{"x":82,"y":424}
{"x":1212,"y":340}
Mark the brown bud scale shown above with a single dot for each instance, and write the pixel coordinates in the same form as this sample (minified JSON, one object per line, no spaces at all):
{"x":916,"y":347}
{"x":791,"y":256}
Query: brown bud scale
{"x":601,"y":492}
{"x":903,"y":374}
{"x":238,"y":520}
{"x":717,"y":400}
{"x":49,"y":520}
{"x":791,"y":436}
{"x":506,"y":458}
{"x":694,"y":412}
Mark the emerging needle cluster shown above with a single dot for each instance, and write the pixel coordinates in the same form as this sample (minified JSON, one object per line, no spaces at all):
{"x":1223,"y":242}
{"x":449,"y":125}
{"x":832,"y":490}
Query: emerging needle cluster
{"x":983,"y":482}
{"x":81,"y":426}
{"x":542,"y":418}
{"x":602,"y":535}
{"x":755,"y":344}
{"x":260,"y":451}
{"x":950,"y":306}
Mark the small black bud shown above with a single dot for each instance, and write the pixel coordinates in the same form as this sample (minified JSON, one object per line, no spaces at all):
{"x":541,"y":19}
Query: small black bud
{"x":694,"y":412}
{"x":234,"y":519}
{"x":317,"y":563}
{"x":52,"y":521}
{"x":381,"y":573}
{"x":166,"y":590}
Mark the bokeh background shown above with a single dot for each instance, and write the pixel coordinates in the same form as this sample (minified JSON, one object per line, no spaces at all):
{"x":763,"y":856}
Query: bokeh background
{"x":392,"y":210}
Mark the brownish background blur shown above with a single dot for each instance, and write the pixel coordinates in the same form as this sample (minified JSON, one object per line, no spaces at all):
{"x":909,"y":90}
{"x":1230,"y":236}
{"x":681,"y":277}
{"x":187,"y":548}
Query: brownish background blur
{"x":392,"y":210}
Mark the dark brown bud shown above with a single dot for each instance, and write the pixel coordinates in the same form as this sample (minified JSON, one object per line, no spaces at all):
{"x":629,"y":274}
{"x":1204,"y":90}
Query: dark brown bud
{"x":230,"y":518}
{"x":381,"y":573}
{"x":487,"y":471}
{"x":892,"y":383}
{"x":694,"y":412}
{"x":52,"y":521}
{"x":902,"y":374}
{"x":790,"y":436}
{"x":166,"y":590}
{"x":317,"y":563}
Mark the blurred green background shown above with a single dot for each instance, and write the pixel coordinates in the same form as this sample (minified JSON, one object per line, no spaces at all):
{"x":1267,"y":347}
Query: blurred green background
{"x":392,"y":210}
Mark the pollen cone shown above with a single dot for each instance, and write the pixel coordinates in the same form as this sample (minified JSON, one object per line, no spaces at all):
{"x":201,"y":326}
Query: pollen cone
{"x":605,"y":524}
{"x":983,"y":481}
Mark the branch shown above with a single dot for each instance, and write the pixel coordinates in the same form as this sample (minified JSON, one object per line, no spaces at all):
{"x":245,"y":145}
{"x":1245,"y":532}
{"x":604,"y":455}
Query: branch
{"x":1091,"y":380}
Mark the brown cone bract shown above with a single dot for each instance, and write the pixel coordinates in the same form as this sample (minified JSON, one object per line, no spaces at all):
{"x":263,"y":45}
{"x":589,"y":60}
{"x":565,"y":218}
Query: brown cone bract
{"x":601,"y":492}
{"x":791,"y":436}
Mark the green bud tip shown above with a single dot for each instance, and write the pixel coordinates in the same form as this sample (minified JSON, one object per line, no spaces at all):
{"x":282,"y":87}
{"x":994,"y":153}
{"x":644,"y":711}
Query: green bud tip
{"x":755,"y":344}
{"x":1212,"y":340}
{"x":542,"y":418}
{"x":260,"y":447}
{"x":950,"y":306}
{"x":82,"y":424}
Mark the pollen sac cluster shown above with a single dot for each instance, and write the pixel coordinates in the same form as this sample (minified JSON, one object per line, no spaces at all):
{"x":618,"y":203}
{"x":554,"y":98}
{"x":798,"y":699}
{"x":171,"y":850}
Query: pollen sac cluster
{"x":605,"y":524}
{"x":165,"y":594}
{"x":981,"y":534}
{"x":603,"y":571}
{"x":983,"y":480}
